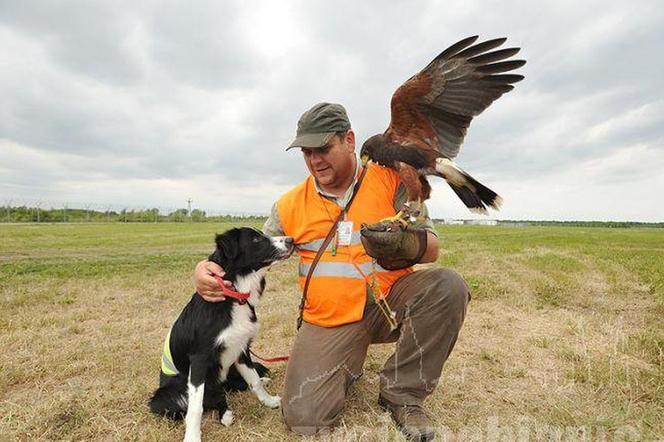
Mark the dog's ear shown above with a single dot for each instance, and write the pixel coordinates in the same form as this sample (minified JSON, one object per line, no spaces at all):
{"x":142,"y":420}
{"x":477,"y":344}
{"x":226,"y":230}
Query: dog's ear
{"x":226,"y":247}
{"x":216,"y":257}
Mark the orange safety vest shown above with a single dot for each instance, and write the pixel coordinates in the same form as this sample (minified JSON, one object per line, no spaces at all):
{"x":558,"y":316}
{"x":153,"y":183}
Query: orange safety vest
{"x":337,"y":291}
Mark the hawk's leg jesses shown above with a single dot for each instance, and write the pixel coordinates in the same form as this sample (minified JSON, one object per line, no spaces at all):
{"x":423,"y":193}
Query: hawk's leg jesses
{"x":412,"y":211}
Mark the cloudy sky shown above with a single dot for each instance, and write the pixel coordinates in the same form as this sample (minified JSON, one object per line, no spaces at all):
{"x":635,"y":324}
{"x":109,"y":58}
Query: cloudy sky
{"x":149,"y":103}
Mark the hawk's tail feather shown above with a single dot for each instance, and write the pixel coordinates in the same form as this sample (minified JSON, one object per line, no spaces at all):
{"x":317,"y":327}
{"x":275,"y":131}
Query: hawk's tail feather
{"x":488,"y":196}
{"x":470,"y":199}
{"x":475,"y":195}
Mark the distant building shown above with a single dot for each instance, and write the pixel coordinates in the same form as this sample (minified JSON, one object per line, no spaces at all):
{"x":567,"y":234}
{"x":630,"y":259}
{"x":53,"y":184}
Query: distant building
{"x":481,"y":222}
{"x":449,"y":221}
{"x":477,"y":222}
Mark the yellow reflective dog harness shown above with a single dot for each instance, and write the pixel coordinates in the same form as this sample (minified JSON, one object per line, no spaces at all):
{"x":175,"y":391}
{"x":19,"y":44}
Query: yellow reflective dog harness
{"x":167,"y":365}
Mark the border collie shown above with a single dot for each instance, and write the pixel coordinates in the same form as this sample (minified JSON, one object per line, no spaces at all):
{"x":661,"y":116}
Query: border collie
{"x":206,"y":352}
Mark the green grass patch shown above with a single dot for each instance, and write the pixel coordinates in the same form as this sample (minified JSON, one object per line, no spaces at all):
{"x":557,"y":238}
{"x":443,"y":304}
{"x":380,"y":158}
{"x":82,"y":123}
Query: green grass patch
{"x":564,"y":331}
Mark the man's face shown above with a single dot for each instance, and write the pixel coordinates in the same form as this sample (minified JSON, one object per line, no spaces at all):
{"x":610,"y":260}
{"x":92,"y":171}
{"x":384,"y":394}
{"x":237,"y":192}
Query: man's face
{"x":333,"y":164}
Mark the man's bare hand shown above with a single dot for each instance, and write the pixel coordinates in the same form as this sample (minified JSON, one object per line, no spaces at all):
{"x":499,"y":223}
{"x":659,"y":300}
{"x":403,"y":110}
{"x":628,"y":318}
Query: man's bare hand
{"x":205,"y":282}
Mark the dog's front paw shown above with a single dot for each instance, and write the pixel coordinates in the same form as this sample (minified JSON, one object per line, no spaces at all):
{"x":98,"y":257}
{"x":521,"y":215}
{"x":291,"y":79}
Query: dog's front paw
{"x":192,"y":436}
{"x":227,"y":418}
{"x":265,"y":381}
{"x":272,"y":401}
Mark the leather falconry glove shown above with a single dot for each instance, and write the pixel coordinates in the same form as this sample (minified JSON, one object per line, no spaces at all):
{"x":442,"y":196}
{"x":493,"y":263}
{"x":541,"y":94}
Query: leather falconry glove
{"x":392,"y":246}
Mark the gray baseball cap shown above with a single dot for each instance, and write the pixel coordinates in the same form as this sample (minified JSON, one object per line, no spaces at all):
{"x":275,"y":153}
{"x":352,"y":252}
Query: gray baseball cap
{"x":318,"y":125}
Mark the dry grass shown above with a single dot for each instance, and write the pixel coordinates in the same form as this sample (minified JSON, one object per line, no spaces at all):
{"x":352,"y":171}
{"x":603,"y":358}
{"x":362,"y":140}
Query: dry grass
{"x":563,"y":339}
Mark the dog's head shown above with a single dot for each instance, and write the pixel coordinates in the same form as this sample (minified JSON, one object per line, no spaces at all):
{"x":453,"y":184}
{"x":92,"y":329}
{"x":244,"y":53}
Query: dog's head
{"x":244,"y":250}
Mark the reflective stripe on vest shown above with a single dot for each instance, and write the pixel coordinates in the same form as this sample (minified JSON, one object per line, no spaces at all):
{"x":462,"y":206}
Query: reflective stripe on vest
{"x":314,"y":245}
{"x":340,"y":269}
{"x":167,"y":365}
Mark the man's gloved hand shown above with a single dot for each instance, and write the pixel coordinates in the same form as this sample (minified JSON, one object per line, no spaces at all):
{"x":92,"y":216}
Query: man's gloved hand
{"x":394,"y":247}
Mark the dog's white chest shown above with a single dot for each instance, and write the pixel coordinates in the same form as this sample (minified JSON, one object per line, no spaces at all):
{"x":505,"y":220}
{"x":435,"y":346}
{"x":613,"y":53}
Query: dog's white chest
{"x":236,"y":336}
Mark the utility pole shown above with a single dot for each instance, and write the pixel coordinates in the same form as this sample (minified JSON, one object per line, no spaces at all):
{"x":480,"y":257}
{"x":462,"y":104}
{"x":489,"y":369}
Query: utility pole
{"x":189,"y":208}
{"x":38,"y":204}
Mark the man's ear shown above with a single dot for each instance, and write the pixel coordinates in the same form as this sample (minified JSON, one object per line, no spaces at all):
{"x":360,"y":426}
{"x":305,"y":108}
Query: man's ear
{"x":350,"y":139}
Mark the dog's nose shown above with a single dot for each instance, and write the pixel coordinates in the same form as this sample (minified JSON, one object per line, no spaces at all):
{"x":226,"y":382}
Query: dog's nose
{"x":283,"y":241}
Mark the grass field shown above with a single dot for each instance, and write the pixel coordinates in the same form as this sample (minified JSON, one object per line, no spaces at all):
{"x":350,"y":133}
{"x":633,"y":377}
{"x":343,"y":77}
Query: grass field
{"x":564,"y":338}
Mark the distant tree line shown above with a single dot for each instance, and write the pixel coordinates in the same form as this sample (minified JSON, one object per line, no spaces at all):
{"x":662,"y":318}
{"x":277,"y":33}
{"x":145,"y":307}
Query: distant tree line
{"x":610,"y":224}
{"x":21,"y":214}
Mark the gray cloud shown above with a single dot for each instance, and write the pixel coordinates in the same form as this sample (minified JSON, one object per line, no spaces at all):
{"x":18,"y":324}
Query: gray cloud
{"x":201,"y":99}
{"x":93,"y":38}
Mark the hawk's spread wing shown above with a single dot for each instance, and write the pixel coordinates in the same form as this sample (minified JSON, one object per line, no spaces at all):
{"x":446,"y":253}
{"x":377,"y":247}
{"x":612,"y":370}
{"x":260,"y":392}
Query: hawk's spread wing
{"x":434,"y":108}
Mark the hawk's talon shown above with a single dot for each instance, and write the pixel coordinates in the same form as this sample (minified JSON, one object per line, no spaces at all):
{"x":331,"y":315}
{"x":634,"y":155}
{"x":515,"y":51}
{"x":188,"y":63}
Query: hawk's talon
{"x":409,"y":214}
{"x":399,"y":218}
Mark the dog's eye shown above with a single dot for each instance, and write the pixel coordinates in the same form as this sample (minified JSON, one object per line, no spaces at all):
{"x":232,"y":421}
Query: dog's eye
{"x":257,"y":239}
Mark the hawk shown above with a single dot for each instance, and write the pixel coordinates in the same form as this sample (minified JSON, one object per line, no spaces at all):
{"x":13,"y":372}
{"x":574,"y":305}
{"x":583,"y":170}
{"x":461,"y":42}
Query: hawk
{"x":430,"y":115}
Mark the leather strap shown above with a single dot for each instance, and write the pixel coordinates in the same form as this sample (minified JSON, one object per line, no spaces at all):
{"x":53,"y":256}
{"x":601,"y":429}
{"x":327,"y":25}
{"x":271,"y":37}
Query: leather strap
{"x":326,"y":242}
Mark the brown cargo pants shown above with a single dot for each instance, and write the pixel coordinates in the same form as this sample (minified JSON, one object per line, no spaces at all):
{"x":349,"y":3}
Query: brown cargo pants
{"x":430,"y":307}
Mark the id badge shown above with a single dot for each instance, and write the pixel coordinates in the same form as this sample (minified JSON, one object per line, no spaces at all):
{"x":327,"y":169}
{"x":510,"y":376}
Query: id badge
{"x":345,"y":232}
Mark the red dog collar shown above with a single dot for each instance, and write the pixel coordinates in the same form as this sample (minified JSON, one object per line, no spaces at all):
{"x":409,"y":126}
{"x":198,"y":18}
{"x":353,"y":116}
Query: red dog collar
{"x":242,"y":297}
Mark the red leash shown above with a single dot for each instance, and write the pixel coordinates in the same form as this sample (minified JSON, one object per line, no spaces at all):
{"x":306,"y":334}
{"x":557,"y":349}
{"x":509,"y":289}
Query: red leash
{"x":242,"y":297}
{"x":271,"y":360}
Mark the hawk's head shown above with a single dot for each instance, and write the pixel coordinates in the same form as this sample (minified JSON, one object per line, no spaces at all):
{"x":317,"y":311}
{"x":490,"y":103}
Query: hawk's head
{"x":370,"y":148}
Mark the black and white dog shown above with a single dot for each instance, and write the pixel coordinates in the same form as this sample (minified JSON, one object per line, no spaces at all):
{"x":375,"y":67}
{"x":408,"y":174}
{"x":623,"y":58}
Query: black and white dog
{"x":206,"y":351}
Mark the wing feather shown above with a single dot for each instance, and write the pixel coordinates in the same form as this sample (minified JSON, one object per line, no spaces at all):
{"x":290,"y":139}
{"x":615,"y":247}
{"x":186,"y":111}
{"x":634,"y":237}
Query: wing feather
{"x":434,"y":108}
{"x":502,"y":66}
{"x":504,"y":79}
{"x":480,"y":48}
{"x":454,"y":49}
{"x":490,"y":57}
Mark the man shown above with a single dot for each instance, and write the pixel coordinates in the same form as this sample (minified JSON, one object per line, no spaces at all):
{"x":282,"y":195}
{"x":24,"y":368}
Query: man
{"x":340,"y":315}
